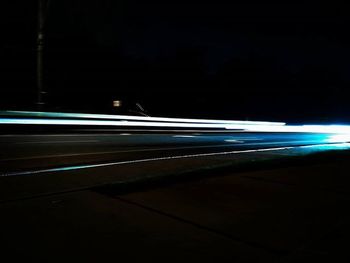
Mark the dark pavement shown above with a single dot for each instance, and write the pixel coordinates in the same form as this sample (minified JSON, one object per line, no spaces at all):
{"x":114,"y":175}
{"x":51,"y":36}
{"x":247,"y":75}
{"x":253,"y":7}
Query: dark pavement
{"x":203,"y":197}
{"x":296,"y":213}
{"x":40,"y":151}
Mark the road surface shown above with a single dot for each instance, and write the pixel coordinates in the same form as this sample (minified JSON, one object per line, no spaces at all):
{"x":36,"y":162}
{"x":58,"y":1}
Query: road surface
{"x":39,"y":151}
{"x":291,"y":214}
{"x":82,"y":195}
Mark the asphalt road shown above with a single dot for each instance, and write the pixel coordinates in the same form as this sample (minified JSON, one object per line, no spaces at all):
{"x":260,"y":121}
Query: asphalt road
{"x":291,"y":214}
{"x":40,"y":151}
{"x":98,"y":195}
{"x":68,"y":197}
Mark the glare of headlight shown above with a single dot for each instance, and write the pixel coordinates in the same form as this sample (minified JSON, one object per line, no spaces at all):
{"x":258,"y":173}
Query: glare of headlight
{"x":339,"y":138}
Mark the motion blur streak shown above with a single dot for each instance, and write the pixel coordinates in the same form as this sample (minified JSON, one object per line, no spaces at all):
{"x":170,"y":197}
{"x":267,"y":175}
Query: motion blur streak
{"x":115,"y":123}
{"x":330,"y":129}
{"x":339,"y":138}
{"x":338,"y":129}
{"x":126,"y":117}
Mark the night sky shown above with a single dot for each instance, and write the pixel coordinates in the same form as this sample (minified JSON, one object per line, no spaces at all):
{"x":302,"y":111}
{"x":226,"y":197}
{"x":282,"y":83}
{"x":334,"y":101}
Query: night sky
{"x":287,"y":62}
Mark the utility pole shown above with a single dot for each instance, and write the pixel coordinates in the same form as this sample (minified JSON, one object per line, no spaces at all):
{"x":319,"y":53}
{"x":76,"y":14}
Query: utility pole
{"x":42,"y":14}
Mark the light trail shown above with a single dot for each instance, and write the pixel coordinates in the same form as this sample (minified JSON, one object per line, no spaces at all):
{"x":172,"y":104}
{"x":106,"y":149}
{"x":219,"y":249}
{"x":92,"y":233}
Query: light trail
{"x":339,"y":138}
{"x":132,"y":118}
{"x":185,"y":136}
{"x":120,"y":123}
{"x":329,"y":129}
{"x":59,"y":142}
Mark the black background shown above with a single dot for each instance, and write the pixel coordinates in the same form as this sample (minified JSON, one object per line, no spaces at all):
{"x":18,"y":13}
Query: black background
{"x":287,"y":62}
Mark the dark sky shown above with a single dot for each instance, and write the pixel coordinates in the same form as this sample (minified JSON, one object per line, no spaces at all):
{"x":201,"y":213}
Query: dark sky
{"x":208,"y":59}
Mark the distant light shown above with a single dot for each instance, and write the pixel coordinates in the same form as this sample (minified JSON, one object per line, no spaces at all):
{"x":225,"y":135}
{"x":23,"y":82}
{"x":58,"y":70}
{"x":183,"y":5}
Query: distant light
{"x":184,"y":136}
{"x":234,"y":141}
{"x":117,"y":103}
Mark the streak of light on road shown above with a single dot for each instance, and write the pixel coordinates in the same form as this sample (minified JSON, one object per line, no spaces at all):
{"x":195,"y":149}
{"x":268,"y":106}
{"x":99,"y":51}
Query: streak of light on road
{"x":344,"y":130}
{"x":100,"y":165}
{"x":133,"y":118}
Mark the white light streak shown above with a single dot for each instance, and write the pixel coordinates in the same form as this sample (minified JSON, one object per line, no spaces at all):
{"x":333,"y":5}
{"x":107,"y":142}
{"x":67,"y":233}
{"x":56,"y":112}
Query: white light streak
{"x":116,"y":123}
{"x":325,"y":129}
{"x":332,"y":129}
{"x":236,"y":141}
{"x":184,"y":136}
{"x":132,"y":118}
{"x":339,"y":138}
